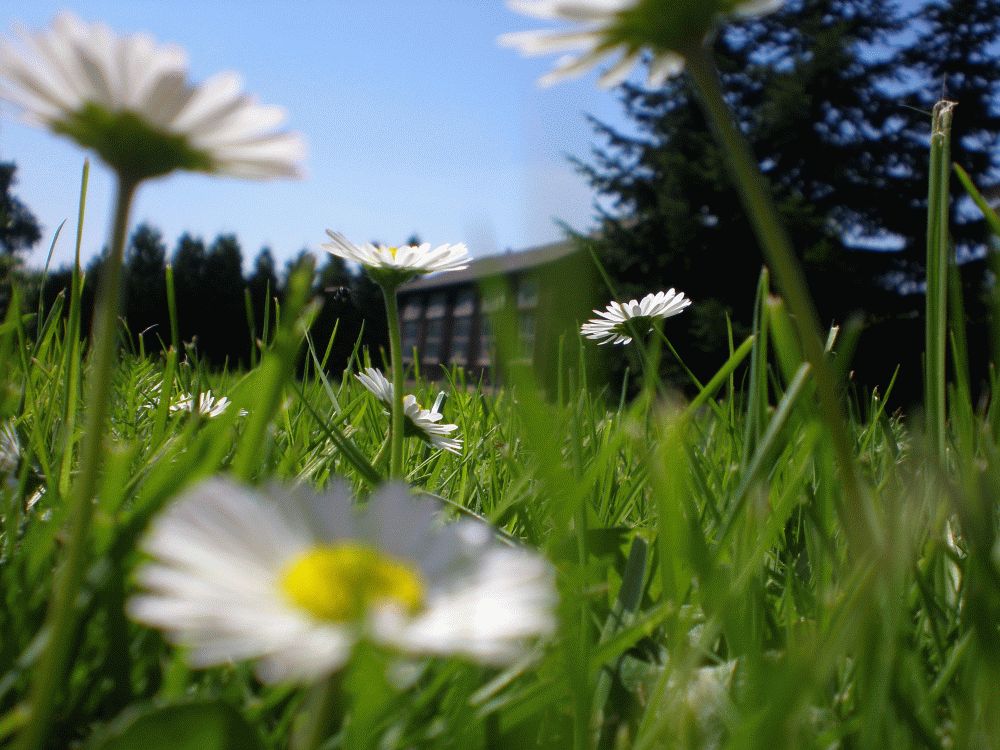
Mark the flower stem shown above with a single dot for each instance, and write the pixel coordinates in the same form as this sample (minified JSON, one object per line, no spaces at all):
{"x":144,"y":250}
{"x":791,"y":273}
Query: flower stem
{"x":49,"y":674}
{"x":318,"y":718}
{"x":396,"y":361}
{"x":777,"y":248}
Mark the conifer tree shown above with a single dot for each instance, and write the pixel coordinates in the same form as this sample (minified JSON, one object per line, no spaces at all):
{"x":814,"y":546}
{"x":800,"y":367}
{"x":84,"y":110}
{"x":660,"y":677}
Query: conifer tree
{"x":145,"y":283}
{"x":830,"y":94}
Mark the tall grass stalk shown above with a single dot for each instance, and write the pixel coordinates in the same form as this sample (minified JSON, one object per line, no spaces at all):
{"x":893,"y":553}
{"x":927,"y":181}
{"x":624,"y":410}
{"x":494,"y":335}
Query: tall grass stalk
{"x":62,"y":620}
{"x":72,"y":363}
{"x":396,"y":427}
{"x":759,"y":206}
{"x":936,"y":331}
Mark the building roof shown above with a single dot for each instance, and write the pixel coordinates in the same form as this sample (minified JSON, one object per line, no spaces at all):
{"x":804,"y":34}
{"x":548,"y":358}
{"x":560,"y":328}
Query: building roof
{"x":495,"y":265}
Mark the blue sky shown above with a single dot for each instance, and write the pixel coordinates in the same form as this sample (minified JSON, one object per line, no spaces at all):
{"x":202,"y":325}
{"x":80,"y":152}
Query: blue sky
{"x":417,"y":122}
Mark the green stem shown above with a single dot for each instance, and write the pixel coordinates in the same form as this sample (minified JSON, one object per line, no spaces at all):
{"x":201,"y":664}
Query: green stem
{"x":396,"y":361}
{"x":49,"y":675}
{"x":936,"y":330}
{"x":72,"y":366}
{"x":317,"y":718}
{"x":759,"y":206}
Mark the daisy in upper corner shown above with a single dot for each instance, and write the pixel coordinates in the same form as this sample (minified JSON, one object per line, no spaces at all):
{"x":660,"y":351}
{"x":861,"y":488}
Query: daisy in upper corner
{"x":418,"y":422}
{"x":129,"y":100}
{"x":620,"y":320}
{"x":667,"y":28}
{"x":293,"y":580}
{"x":392,"y":266}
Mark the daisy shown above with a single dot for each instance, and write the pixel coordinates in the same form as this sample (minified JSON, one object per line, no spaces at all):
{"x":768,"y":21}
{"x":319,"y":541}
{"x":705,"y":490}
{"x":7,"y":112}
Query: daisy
{"x":424,"y":424}
{"x":208,"y":406}
{"x":293,"y":580}
{"x":417,"y":422}
{"x":618,"y":321}
{"x":624,"y":28}
{"x":395,"y":265}
{"x":129,"y":100}
{"x":377,"y":383}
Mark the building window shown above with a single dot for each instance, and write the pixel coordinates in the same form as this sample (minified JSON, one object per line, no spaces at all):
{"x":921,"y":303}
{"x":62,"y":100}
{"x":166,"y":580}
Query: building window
{"x":527,"y":293}
{"x":413,"y":312}
{"x":437,"y":308}
{"x":493,"y":302}
{"x":526,"y":335}
{"x":433,"y":339}
{"x":485,"y":340}
{"x":461,"y":327}
{"x":411,"y":338}
{"x":465,"y":304}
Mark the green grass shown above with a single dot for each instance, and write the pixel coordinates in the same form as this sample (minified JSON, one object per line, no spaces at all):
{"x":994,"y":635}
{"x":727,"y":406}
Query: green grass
{"x":713,"y":591}
{"x":692,"y":545}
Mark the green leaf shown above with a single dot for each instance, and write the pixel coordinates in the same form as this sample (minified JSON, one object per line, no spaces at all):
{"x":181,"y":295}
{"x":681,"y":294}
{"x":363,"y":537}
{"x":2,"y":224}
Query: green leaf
{"x":191,"y":726}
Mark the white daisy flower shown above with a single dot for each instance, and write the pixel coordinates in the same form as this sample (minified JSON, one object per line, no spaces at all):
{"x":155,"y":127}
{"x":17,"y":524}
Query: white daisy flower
{"x":293,"y":581}
{"x":624,"y":28}
{"x":617,"y":322}
{"x":377,"y":383}
{"x":207,"y":405}
{"x":129,"y":100}
{"x":396,"y":265}
{"x":423,"y":423}
{"x":417,"y":421}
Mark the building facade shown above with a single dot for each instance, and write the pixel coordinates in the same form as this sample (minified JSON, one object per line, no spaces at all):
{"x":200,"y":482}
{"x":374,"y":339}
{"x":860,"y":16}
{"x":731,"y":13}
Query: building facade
{"x":531,"y":297}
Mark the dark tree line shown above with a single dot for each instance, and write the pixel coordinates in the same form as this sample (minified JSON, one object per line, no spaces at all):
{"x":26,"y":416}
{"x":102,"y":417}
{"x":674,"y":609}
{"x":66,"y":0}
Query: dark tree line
{"x":221,"y":313}
{"x":835,"y":97}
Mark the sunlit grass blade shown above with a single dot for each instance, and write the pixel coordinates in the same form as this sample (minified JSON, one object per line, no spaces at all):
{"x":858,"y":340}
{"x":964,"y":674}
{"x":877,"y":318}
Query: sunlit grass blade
{"x":936,"y":335}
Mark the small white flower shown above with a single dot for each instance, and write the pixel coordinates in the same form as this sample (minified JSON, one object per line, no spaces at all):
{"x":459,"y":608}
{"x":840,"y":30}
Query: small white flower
{"x":377,"y":383}
{"x":208,"y":406}
{"x":423,"y":423}
{"x":624,"y":28}
{"x":615,"y":324}
{"x":396,"y":265}
{"x":417,"y":421}
{"x":129,"y":100}
{"x":293,"y":580}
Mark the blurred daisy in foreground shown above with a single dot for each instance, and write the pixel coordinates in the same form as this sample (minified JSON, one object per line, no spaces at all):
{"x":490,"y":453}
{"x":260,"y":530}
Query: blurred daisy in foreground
{"x":620,"y":320}
{"x":392,"y":266}
{"x":128,"y":99}
{"x":418,"y":422}
{"x":207,"y":404}
{"x":294,"y":580}
{"x":624,"y":28}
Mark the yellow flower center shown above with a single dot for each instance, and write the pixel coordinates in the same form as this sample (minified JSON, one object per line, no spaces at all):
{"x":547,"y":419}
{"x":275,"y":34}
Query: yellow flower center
{"x":340,"y":582}
{"x":393,"y":251}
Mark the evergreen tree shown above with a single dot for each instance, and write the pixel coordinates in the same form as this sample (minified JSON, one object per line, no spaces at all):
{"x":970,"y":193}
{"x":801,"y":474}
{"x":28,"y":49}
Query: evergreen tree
{"x":262,"y":287}
{"x":191,"y":286}
{"x":145,"y":283}
{"x":957,"y":56}
{"x":225,"y":332}
{"x":339,"y":316}
{"x":19,"y":229}
{"x":333,"y":274}
{"x":822,"y":90}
